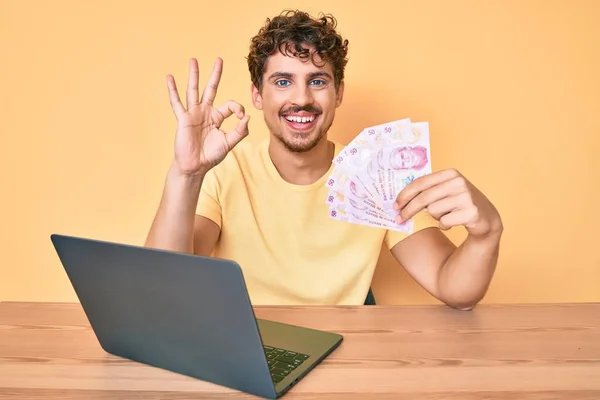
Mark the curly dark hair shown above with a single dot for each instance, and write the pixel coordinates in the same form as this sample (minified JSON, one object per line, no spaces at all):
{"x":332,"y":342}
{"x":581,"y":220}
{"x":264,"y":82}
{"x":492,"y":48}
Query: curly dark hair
{"x":288,"y":32}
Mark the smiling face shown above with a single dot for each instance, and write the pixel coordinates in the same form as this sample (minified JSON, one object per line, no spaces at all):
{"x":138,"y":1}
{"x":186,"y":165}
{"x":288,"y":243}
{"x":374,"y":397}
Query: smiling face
{"x":298,"y":100}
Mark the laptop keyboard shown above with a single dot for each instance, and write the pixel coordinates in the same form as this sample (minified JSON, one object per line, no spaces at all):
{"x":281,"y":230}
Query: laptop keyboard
{"x":282,"y":362}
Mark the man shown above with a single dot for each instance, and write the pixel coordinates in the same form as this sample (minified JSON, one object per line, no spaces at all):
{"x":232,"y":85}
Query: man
{"x":263,"y":205}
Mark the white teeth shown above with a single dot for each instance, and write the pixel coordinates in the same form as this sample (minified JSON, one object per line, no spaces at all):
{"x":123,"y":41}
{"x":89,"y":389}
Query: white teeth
{"x":300,"y":119}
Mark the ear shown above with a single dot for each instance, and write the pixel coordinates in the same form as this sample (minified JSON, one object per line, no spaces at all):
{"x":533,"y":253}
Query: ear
{"x":256,"y":97}
{"x":339,"y":96}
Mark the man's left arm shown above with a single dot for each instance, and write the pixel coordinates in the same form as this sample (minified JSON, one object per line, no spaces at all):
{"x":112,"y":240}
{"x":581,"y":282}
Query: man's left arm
{"x":458,"y":276}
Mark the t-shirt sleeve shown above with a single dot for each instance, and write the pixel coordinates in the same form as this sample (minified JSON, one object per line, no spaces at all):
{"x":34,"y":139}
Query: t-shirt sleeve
{"x":421,"y":221}
{"x":209,"y":205}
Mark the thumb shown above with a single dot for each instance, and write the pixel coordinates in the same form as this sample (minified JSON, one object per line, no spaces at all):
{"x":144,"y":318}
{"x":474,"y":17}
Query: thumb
{"x":239,"y":132}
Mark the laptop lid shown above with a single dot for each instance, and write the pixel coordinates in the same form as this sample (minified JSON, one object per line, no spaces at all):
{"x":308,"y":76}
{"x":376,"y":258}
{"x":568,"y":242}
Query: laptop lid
{"x":180,"y":312}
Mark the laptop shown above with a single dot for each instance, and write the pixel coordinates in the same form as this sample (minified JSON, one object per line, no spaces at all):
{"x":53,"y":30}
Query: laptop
{"x":187,"y":314}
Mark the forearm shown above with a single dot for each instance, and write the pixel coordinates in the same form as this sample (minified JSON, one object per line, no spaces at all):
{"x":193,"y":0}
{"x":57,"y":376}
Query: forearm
{"x":173,"y":225}
{"x":465,"y":276}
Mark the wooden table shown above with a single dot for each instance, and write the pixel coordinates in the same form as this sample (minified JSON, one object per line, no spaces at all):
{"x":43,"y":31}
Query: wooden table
{"x":389,"y":352}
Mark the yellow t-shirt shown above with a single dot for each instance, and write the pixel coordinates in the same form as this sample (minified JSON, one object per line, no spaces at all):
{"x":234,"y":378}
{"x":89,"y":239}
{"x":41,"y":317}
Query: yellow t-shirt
{"x":289,"y":249}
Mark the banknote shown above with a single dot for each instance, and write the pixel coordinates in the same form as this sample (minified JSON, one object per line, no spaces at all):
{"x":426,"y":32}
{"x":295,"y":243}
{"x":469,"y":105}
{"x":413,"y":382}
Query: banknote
{"x":373,"y":168}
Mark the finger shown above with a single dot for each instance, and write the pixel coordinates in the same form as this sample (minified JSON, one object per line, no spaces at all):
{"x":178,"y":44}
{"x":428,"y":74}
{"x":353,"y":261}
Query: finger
{"x":454,"y":218}
{"x":239,"y":132}
{"x":176,"y":105}
{"x":192,"y":88}
{"x":231,"y":107}
{"x":422,"y":184}
{"x":446,"y":205}
{"x":210,"y":90}
{"x":431,"y":195}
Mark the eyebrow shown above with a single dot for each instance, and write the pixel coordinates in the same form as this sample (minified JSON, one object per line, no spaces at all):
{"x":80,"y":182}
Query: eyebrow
{"x":312,"y":75}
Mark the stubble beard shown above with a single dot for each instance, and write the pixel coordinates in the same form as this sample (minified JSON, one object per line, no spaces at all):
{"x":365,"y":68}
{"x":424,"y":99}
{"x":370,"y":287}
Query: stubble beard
{"x":303,"y":145}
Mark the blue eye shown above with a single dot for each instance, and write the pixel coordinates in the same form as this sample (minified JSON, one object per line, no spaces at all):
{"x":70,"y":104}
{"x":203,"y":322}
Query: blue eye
{"x":320,"y":82}
{"x":279,"y":82}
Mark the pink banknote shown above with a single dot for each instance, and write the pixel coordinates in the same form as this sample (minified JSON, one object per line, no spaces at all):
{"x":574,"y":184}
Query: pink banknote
{"x":373,"y":168}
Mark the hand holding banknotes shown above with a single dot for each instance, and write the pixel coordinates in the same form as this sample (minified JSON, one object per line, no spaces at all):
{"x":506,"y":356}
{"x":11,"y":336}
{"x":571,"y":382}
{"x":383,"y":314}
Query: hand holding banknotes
{"x":200,"y":144}
{"x":383,"y":178}
{"x":452,"y":200}
{"x":373,"y":168}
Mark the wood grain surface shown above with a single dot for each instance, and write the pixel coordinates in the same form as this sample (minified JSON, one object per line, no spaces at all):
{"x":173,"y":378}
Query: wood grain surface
{"x":48,"y":351}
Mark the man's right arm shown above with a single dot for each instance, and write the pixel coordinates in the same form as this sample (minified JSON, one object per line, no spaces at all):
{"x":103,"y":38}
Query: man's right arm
{"x":200,"y":144}
{"x":176,"y":227}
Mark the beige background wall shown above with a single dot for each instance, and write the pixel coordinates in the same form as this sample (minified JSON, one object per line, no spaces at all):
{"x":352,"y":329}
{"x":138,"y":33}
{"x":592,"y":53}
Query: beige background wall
{"x":511,"y":90}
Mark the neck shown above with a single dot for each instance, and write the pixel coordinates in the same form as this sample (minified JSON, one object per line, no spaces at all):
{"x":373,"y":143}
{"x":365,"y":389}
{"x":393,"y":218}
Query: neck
{"x":301,"y":168}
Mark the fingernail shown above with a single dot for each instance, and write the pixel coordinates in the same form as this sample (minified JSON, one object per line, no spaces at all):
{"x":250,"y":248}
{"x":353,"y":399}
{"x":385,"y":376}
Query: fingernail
{"x":398,"y":219}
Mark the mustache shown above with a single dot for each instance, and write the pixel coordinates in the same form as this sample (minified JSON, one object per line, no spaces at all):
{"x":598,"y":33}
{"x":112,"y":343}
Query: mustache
{"x":296,"y":109}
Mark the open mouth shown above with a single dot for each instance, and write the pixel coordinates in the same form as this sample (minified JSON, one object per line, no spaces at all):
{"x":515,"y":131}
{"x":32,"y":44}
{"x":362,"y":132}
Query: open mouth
{"x":301,"y":122}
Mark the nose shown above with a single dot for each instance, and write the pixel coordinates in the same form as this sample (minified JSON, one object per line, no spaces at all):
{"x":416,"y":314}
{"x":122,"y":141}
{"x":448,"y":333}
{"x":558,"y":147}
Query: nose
{"x":302,"y":95}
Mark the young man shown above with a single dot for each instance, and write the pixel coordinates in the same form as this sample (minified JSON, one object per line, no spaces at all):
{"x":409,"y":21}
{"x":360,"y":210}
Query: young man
{"x":263,"y":206}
